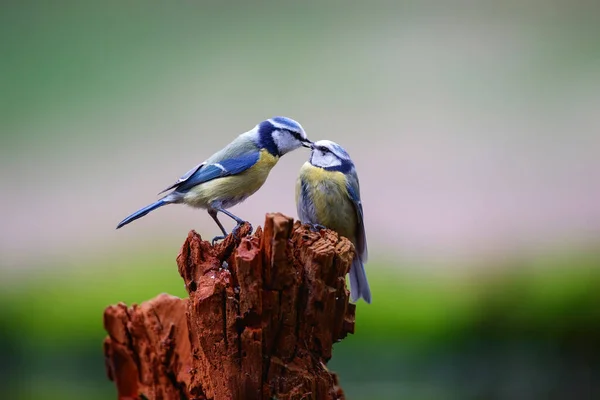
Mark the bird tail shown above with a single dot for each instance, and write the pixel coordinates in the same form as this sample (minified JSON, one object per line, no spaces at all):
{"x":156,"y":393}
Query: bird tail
{"x":359,"y":286}
{"x":142,"y":212}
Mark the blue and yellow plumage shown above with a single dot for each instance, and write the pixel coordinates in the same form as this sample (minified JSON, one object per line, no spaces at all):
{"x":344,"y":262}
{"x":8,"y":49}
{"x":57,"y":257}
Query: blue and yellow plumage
{"x":328,"y":194}
{"x":234,"y":173}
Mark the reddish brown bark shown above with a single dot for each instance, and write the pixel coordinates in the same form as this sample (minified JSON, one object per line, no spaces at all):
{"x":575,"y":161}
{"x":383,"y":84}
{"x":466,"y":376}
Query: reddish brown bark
{"x":260,"y":322}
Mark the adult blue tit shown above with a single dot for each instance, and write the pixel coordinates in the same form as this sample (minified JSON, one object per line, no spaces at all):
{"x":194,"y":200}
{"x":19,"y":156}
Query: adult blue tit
{"x":234,"y":173}
{"x":328,"y":194}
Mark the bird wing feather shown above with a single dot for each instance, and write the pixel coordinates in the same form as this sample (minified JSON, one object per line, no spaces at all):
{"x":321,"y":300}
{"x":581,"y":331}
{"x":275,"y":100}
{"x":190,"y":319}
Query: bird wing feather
{"x":353,"y":186}
{"x":208,"y":171}
{"x":304,"y":205}
{"x":184,"y":177}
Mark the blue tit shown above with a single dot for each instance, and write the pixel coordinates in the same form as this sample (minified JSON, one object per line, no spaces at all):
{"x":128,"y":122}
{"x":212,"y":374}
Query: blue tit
{"x":328,"y":194}
{"x":234,"y":173}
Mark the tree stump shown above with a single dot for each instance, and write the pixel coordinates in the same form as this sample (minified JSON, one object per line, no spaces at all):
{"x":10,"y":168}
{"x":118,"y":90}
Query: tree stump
{"x":262,"y":315}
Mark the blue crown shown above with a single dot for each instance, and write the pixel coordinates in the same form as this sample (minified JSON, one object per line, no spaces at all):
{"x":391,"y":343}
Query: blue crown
{"x":287,"y":123}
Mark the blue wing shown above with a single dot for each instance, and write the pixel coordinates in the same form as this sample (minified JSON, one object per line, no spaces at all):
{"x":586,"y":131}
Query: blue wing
{"x":206,"y":172}
{"x":305,"y":207}
{"x":184,"y":177}
{"x":353,"y":187}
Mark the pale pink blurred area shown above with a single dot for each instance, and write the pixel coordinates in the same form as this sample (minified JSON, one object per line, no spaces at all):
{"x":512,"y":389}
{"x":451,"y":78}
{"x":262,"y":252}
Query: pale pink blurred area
{"x":472,"y":138}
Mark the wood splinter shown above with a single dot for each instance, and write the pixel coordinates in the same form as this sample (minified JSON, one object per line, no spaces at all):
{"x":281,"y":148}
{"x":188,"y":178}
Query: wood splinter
{"x":262,"y":315}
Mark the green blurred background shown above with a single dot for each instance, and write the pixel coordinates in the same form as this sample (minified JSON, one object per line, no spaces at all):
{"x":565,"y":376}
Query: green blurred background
{"x":476,"y":134}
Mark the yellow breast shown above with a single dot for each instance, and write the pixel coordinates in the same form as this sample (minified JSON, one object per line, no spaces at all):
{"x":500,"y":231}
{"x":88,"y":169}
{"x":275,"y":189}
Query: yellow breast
{"x":233,"y":189}
{"x":332,"y":205}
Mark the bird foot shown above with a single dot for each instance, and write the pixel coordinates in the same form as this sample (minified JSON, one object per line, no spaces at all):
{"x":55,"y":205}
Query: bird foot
{"x":234,"y":232}
{"x":216,"y":238}
{"x":316,"y":227}
{"x":238,"y":226}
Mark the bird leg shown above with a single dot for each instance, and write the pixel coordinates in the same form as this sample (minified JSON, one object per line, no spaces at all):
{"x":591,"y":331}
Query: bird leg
{"x":239,"y":221}
{"x":213,"y":214}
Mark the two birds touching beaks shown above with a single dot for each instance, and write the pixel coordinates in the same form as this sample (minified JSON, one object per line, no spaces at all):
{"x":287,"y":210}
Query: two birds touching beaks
{"x":327,"y":190}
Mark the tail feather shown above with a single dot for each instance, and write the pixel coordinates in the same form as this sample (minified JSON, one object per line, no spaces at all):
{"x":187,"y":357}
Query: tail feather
{"x":142,"y":212}
{"x":359,"y":286}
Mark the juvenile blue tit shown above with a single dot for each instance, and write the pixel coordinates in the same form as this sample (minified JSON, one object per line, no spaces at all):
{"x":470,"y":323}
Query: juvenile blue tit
{"x":328,"y":194}
{"x":234,"y":173}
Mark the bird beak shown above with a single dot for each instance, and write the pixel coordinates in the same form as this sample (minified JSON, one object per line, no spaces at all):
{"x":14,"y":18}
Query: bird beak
{"x":307,"y":144}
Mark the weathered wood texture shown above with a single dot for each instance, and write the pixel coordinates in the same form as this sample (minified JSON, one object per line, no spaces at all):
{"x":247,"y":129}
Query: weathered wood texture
{"x":260,"y":322}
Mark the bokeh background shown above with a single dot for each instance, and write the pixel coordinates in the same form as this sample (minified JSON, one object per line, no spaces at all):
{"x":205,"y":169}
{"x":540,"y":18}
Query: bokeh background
{"x":474,"y":127}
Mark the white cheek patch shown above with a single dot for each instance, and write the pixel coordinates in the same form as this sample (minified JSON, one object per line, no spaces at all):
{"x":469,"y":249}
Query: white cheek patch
{"x":325,"y":160}
{"x":285,"y":142}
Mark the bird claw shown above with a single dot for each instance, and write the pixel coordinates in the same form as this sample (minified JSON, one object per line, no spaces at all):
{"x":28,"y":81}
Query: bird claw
{"x":217,"y":238}
{"x":234,"y":232}
{"x":238,"y":226}
{"x":316,"y":227}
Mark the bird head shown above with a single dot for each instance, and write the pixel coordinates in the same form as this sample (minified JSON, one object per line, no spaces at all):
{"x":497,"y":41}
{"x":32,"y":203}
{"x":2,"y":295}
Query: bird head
{"x":330,"y":155}
{"x":281,"y":135}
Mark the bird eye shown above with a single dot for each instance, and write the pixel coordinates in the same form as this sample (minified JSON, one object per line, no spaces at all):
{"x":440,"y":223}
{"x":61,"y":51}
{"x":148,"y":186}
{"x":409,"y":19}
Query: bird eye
{"x":294,"y":134}
{"x":324,"y":149}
